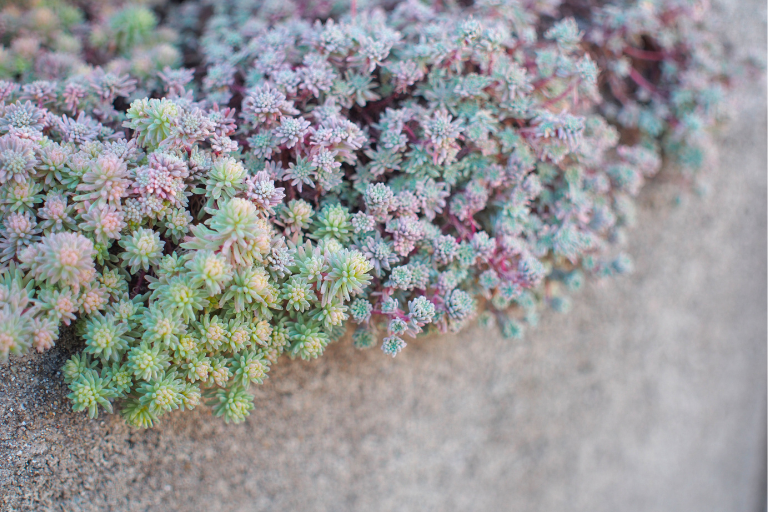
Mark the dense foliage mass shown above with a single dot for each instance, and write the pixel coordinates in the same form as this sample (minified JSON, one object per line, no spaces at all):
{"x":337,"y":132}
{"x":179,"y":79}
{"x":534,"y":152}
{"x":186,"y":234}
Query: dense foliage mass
{"x":400,"y":167}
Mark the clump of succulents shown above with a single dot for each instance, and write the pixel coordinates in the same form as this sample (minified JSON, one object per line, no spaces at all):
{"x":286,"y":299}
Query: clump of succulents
{"x":403,"y":168}
{"x":666,"y":77}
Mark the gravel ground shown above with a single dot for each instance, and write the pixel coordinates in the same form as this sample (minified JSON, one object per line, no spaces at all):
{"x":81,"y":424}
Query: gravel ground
{"x":649,"y":395}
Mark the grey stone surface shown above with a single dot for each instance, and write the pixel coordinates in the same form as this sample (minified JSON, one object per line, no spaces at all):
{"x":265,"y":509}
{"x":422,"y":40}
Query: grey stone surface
{"x":649,"y":396}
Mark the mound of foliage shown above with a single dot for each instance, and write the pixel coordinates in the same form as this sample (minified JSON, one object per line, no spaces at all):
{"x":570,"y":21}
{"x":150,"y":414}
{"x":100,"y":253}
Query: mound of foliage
{"x":201,"y":195}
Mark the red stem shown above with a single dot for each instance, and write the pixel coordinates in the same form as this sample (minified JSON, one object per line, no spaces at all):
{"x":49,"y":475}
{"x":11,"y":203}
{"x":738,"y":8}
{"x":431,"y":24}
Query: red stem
{"x":644,"y":54}
{"x":561,"y":96}
{"x":461,"y":228}
{"x":642,"y":82}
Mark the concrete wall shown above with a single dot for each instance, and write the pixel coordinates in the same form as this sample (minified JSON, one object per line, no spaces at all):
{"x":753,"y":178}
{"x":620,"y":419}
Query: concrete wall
{"x":649,"y":396}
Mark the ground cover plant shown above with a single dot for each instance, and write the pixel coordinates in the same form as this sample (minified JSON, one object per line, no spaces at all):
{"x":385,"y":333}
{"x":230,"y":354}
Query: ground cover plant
{"x":200,"y":188}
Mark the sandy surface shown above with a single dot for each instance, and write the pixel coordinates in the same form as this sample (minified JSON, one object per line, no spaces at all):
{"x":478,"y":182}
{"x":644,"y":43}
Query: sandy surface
{"x":649,"y":395}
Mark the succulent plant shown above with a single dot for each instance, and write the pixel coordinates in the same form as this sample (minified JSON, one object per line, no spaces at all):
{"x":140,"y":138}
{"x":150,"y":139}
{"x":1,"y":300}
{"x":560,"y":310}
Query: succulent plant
{"x":401,"y":167}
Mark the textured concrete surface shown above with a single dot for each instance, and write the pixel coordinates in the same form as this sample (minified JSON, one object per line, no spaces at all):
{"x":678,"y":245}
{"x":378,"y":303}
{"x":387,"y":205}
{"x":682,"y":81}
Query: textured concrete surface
{"x":649,"y":396}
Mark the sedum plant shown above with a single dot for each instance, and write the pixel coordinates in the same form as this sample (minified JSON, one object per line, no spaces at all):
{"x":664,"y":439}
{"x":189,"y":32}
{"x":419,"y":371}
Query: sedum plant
{"x":398,"y":168}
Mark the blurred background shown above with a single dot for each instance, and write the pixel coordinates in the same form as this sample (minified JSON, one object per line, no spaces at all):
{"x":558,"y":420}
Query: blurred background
{"x":649,"y":395}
